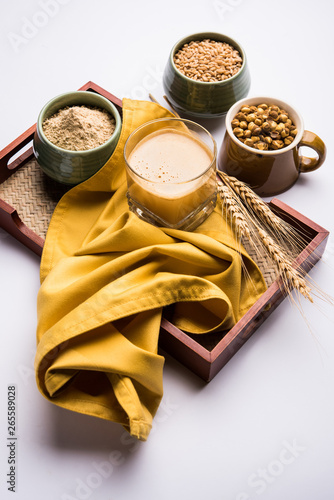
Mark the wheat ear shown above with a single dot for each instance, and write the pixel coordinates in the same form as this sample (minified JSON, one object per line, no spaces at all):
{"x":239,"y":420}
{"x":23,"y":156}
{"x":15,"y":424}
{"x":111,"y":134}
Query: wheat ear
{"x":234,"y":212}
{"x":288,"y":236}
{"x":253,"y":218}
{"x":251,"y":199}
{"x":287,"y":271}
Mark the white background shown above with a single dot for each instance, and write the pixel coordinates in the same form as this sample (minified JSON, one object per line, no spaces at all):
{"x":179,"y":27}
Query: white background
{"x":263,"y":428}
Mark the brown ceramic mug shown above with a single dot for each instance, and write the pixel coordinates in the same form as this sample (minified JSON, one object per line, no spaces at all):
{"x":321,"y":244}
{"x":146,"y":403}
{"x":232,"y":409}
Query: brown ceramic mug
{"x":269,"y":172}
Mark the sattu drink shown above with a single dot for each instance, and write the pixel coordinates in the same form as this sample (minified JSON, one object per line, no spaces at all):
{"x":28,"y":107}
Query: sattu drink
{"x":171,"y":173}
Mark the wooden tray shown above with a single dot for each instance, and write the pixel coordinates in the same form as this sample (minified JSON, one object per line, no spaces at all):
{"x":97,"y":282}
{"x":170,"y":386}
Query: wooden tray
{"x":24,"y":186}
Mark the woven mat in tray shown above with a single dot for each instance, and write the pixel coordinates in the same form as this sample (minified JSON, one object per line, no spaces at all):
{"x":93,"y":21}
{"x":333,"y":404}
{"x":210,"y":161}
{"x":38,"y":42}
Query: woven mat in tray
{"x":35,"y":196}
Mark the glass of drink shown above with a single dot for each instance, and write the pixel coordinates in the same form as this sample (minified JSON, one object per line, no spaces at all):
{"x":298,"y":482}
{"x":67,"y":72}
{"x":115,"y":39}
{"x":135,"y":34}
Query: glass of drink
{"x":171,"y":173}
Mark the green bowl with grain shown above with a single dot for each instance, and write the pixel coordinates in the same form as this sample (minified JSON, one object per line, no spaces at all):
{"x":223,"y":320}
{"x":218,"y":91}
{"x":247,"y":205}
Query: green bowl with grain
{"x":206,"y":73}
{"x":84,"y":158}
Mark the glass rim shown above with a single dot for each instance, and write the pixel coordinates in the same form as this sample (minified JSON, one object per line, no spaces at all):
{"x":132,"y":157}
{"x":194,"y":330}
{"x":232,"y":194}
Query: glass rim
{"x":171,"y":119}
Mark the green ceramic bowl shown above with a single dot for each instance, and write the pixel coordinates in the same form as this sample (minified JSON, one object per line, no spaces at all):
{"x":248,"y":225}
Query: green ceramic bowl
{"x":205,"y":99}
{"x":73,"y":167}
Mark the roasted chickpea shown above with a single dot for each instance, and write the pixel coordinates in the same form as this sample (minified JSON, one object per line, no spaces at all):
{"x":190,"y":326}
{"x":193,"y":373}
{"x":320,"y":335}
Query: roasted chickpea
{"x":264,"y":127}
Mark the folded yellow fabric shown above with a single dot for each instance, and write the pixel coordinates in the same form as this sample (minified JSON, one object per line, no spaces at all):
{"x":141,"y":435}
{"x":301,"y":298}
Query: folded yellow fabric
{"x":105,"y":277}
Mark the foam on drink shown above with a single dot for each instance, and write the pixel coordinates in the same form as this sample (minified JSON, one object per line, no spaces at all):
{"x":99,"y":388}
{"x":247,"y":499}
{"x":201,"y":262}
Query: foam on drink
{"x":170,"y":165}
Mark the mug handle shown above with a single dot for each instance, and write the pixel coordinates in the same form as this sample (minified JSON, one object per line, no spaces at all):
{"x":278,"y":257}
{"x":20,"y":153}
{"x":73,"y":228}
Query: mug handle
{"x":313,"y":141}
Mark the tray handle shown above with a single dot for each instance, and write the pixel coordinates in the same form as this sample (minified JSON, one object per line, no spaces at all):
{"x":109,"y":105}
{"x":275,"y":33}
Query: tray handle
{"x":6,"y":168}
{"x":12,"y":224}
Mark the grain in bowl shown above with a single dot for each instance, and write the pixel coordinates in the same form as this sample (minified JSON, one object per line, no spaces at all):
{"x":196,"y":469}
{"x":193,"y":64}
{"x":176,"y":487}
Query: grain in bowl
{"x":208,"y":60}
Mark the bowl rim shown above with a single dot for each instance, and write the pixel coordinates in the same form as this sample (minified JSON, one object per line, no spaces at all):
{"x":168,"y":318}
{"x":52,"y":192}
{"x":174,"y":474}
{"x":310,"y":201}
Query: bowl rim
{"x":251,"y":100}
{"x":85,"y":152}
{"x":213,"y":35}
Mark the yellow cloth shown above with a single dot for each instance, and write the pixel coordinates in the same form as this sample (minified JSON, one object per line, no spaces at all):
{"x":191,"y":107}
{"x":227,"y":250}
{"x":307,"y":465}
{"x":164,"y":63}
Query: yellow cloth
{"x":105,"y":277}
